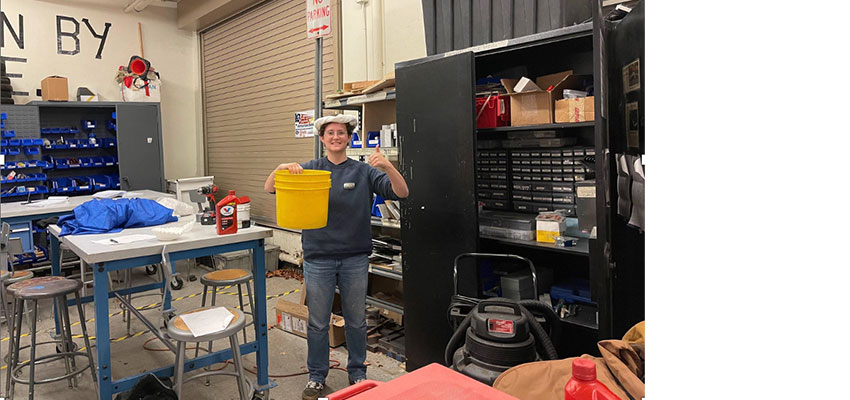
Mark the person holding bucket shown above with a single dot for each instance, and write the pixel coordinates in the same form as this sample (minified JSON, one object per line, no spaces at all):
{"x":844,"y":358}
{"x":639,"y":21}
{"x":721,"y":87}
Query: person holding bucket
{"x":338,"y":254}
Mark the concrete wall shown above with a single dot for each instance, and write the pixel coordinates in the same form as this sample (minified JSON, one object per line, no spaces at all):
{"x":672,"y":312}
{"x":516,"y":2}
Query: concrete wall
{"x":171,"y":51}
{"x":378,"y":33}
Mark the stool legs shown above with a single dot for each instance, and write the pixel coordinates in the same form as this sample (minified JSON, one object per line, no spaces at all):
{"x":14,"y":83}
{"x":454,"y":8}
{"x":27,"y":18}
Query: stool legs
{"x":250,"y":303}
{"x":32,"y":349}
{"x":70,"y":340}
{"x":63,"y":340}
{"x":242,"y":308}
{"x":13,"y":337}
{"x":178,"y":374}
{"x":93,"y":366}
{"x":237,"y":363}
{"x":203,"y":303}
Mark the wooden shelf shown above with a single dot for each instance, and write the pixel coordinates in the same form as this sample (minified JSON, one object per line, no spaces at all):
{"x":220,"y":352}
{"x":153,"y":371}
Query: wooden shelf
{"x":544,"y":127}
{"x":354,"y":102}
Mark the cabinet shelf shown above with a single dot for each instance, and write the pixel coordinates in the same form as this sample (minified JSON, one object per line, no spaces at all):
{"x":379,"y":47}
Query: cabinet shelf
{"x":582,"y":248}
{"x":538,"y":127}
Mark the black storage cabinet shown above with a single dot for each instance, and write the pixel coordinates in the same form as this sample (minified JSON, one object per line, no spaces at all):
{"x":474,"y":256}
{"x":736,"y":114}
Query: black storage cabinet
{"x":436,"y":123}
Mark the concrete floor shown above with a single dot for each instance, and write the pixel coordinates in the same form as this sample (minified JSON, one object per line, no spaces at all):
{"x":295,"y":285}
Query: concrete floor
{"x":287,"y":352}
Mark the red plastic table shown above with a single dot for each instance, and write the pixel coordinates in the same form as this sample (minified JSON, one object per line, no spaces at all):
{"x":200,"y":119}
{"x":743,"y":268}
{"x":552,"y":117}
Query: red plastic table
{"x":431,"y":382}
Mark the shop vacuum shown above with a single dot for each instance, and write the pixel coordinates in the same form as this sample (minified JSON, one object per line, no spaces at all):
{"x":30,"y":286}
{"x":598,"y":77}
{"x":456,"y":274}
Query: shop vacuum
{"x":499,"y":333}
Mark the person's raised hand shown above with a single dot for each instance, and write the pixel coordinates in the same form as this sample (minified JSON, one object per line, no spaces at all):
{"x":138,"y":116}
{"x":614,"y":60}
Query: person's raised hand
{"x":378,"y":160}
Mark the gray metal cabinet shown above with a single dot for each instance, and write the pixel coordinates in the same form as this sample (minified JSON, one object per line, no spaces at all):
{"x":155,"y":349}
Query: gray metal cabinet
{"x":140,"y":146}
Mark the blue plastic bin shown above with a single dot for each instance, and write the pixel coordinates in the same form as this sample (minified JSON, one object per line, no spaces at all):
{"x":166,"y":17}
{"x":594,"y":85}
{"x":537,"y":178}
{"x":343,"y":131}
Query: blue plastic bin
{"x":109,"y":161}
{"x":101,"y":182}
{"x":3,"y":143}
{"x":14,"y":142}
{"x":31,"y":150}
{"x":8,"y":134}
{"x":13,"y":151}
{"x":97,"y":161}
{"x":62,"y":185}
{"x":116,"y":182}
{"x":60,"y":163}
{"x":85,"y":161}
{"x":82,"y":183}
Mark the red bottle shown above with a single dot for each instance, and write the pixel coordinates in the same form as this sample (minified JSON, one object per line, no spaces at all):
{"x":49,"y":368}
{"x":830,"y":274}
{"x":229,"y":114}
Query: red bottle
{"x":584,"y":386}
{"x":225,"y":215}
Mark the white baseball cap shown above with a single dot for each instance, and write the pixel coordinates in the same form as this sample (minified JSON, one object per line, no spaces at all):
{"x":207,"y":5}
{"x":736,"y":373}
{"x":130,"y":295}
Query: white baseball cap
{"x":349,"y":120}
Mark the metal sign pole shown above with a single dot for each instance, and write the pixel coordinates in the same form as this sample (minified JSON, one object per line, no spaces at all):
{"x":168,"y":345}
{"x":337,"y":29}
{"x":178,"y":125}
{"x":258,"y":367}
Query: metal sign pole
{"x":317,"y":107}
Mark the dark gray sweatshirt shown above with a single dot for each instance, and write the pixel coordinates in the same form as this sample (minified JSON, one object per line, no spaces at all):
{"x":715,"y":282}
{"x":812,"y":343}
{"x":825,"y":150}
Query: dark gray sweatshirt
{"x":349,"y":230}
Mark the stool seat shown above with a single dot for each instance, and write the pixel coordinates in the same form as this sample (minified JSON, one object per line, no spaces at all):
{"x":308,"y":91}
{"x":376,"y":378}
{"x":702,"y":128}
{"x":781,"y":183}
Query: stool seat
{"x":226,"y":277}
{"x":13,"y":288}
{"x":49,"y":289}
{"x":178,"y":330}
{"x":18,"y":276}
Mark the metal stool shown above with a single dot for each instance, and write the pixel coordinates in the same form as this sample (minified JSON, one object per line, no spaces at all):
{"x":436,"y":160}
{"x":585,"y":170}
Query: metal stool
{"x":227,"y":277}
{"x":56,"y":288}
{"x":178,"y":331}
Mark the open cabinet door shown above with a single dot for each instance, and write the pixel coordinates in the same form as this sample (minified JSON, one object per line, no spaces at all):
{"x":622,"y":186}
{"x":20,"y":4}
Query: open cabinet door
{"x":436,"y":122}
{"x":626,"y":107}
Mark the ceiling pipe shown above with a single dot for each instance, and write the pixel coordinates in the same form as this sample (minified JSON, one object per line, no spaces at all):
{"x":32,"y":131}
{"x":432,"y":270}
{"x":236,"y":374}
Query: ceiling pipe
{"x":137,"y":5}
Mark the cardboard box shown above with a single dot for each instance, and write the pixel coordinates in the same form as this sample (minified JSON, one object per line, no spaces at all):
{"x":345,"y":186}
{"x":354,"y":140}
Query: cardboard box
{"x":574,"y":110}
{"x":536,"y":104}
{"x":550,"y":226}
{"x":293,"y":318}
{"x":54,"y":88}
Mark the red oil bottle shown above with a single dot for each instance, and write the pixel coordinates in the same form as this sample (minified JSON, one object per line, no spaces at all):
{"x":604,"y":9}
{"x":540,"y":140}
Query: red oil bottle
{"x":225,"y":215}
{"x":584,"y":386}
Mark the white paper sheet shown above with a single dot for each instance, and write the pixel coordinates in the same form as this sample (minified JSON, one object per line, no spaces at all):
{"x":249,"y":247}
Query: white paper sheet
{"x":124,"y":239}
{"x":638,"y":186}
{"x":208,"y":321}
{"x":50,"y":201}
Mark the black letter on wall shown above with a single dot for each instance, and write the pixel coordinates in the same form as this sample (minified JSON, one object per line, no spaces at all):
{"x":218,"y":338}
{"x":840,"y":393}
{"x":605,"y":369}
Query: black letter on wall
{"x":19,"y":37}
{"x":60,"y":33}
{"x":101,"y":37}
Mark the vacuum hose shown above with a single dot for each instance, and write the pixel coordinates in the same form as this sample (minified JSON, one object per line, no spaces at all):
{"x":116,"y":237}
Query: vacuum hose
{"x":554,"y":334}
{"x":544,"y":345}
{"x":457,"y":337}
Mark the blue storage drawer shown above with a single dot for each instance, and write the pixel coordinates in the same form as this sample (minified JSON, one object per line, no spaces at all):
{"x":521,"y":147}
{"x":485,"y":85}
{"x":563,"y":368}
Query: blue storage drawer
{"x":22,"y":230}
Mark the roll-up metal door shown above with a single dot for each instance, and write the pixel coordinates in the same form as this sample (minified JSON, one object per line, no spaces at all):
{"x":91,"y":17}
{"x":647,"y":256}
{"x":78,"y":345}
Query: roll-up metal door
{"x":257,"y":72}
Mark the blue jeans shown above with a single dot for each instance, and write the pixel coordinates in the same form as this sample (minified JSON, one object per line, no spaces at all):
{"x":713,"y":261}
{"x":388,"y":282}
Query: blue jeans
{"x":321,"y":276}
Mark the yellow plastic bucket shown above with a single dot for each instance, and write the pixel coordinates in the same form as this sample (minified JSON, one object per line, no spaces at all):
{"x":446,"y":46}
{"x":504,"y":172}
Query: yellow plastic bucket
{"x":302,"y":208}
{"x":308,"y":175}
{"x":305,"y":185}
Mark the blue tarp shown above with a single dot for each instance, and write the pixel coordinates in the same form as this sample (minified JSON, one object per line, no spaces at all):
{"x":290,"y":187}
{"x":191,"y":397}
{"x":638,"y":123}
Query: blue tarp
{"x":108,"y":215}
